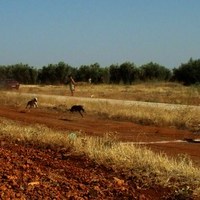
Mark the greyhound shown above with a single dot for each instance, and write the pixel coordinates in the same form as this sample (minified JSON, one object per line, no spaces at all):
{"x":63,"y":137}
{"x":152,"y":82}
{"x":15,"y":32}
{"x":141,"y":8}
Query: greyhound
{"x":77,"y":108}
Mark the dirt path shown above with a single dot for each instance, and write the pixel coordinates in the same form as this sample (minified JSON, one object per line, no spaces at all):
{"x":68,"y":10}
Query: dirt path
{"x":30,"y":173}
{"x":123,"y":130}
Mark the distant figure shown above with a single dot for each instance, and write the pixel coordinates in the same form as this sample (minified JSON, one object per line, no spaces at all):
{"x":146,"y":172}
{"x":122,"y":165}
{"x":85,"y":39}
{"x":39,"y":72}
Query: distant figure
{"x":72,"y":84}
{"x":89,"y":80}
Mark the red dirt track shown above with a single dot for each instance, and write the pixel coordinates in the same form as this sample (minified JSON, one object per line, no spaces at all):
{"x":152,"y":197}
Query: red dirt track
{"x":30,"y":173}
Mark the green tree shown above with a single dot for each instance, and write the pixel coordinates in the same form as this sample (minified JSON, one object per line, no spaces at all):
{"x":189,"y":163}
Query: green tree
{"x":188,"y":73}
{"x":33,"y":73}
{"x":83,"y":73}
{"x":3,"y":73}
{"x":115,"y":76}
{"x":22,"y":73}
{"x":154,"y":71}
{"x":105,"y":75}
{"x":96,"y":73}
{"x":128,"y":72}
{"x":54,"y":73}
{"x":62,"y":70}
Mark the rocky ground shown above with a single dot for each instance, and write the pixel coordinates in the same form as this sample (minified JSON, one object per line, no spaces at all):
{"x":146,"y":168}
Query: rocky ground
{"x":30,"y":173}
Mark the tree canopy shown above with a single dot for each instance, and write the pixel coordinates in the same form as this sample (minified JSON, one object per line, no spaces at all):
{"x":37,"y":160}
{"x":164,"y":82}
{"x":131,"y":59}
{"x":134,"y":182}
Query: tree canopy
{"x":125,"y":73}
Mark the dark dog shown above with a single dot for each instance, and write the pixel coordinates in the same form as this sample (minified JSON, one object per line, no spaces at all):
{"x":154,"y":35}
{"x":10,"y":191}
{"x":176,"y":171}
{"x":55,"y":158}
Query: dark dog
{"x":77,"y":108}
{"x":32,"y":103}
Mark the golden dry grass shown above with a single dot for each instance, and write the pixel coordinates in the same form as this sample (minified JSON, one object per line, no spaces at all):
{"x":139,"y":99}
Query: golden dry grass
{"x":159,"y":92}
{"x":106,"y":150}
{"x":133,"y":159}
{"x":181,"y":117}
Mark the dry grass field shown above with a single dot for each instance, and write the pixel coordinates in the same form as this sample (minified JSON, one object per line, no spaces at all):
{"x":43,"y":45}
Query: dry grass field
{"x":159,"y":92}
{"x":175,"y":177}
{"x":169,"y":93}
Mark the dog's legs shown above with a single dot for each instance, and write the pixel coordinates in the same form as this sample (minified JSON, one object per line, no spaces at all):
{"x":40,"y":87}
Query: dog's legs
{"x":80,"y":113}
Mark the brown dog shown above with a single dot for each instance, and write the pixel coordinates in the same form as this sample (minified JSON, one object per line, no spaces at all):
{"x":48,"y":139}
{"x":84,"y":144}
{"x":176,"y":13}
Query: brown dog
{"x":32,"y":103}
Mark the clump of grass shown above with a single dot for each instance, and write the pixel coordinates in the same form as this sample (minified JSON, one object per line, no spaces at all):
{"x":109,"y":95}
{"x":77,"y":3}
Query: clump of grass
{"x":132,"y":159}
{"x":182,"y":118}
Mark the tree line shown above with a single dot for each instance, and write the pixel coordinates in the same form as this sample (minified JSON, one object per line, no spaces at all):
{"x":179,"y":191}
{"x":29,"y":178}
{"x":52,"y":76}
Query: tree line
{"x":125,"y":73}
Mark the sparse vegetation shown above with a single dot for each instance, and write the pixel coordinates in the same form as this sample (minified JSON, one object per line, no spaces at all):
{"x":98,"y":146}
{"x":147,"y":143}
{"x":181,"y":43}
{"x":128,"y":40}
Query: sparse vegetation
{"x":179,"y":172}
{"x":180,"y":117}
{"x":131,"y":159}
{"x":158,"y":92}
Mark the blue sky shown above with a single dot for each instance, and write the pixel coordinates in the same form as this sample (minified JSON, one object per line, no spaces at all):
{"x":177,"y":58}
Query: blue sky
{"x":83,"y":32}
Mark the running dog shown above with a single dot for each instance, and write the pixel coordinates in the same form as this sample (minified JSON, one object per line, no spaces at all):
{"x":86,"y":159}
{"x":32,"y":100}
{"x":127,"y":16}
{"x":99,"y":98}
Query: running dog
{"x":77,"y":108}
{"x":32,"y":103}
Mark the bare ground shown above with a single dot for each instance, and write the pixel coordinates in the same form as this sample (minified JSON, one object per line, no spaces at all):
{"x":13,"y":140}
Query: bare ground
{"x":30,"y":173}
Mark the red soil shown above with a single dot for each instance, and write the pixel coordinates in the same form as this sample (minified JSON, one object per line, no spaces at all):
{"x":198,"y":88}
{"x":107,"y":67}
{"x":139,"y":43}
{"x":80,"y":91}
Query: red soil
{"x":30,"y":173}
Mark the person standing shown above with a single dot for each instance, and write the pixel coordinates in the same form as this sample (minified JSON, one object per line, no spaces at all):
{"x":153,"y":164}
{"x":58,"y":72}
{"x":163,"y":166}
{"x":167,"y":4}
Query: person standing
{"x":72,"y":84}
